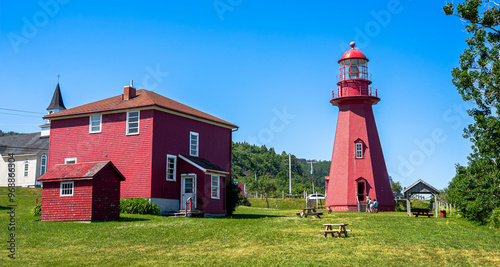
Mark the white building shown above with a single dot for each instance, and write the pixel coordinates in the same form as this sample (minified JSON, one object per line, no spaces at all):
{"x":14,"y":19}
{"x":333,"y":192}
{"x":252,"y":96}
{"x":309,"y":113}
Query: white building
{"x":30,"y":151}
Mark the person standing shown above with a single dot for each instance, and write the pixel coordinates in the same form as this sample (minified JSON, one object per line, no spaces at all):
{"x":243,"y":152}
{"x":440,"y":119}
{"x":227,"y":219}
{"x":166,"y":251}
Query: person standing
{"x":368,"y":204}
{"x":375,"y":205}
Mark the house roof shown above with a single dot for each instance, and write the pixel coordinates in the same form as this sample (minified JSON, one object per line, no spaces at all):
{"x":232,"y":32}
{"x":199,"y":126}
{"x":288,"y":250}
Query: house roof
{"x":420,"y":187}
{"x":143,"y":98}
{"x":79,"y":171}
{"x":203,"y":164}
{"x":57,"y":101}
{"x":24,"y":144}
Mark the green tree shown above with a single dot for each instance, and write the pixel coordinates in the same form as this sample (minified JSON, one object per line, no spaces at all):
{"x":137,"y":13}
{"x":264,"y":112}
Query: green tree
{"x":265,"y":186}
{"x":396,"y":186}
{"x":474,"y":189}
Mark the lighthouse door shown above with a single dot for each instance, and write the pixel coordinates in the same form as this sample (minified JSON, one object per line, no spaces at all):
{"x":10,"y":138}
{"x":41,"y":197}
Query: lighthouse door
{"x":361,"y":191}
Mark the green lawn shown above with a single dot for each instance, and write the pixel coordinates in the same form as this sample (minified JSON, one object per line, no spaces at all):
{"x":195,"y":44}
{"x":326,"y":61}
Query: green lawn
{"x":253,"y":236}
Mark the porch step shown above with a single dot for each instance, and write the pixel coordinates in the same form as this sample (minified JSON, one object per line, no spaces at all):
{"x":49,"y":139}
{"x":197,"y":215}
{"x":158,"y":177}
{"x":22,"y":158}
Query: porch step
{"x":190,"y":213}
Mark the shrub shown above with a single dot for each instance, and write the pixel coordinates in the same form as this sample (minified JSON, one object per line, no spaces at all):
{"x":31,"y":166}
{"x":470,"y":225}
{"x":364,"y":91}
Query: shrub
{"x":232,"y":196}
{"x":494,"y":220}
{"x":37,"y":210}
{"x":138,"y":206}
{"x":243,"y":200}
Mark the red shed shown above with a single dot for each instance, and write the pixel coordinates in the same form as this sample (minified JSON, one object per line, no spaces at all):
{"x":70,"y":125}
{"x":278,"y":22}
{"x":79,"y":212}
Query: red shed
{"x":81,"y":192}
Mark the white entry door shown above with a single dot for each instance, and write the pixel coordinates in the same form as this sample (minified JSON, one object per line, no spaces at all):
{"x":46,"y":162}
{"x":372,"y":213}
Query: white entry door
{"x":188,"y":190}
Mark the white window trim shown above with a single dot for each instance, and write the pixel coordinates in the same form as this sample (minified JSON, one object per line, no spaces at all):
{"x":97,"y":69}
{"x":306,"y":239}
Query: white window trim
{"x":26,"y":167}
{"x":360,"y":150}
{"x":218,"y":186}
{"x":138,"y":122}
{"x":197,"y":143}
{"x":43,"y":166}
{"x":72,"y":189}
{"x":100,"y":123}
{"x":69,"y":159}
{"x":175,"y":167}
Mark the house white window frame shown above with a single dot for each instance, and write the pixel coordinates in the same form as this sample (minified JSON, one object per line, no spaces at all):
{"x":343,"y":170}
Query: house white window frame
{"x":174,"y":168}
{"x":216,"y":187}
{"x":94,"y":126}
{"x":26,"y":167}
{"x":197,"y":149}
{"x":359,"y":150}
{"x":43,"y":164}
{"x":66,"y":190}
{"x":138,"y":122}
{"x":70,"y":161}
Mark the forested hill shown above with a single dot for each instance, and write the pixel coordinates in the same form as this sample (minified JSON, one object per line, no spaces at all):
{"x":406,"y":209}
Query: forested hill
{"x":249,"y":160}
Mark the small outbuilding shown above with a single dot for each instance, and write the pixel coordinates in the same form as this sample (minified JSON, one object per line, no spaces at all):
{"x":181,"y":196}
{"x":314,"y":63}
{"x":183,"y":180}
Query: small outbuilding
{"x":81,"y":192}
{"x":419,"y":187}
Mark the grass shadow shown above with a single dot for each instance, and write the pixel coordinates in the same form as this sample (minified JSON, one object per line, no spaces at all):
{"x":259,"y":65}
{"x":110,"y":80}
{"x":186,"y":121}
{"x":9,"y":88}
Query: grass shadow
{"x":128,"y":219}
{"x":253,"y":216}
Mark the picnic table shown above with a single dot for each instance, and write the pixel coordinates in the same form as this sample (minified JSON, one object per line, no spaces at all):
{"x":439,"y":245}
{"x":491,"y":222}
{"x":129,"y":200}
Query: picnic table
{"x":341,"y":230}
{"x":423,"y":212}
{"x":309,"y":211}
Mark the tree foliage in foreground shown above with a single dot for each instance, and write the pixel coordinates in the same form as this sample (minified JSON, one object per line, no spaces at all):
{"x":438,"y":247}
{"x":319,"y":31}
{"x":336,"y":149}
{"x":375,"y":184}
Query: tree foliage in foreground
{"x":475,"y":188}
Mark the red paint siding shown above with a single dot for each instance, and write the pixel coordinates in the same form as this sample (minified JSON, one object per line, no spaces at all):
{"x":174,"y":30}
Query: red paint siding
{"x":131,"y":154}
{"x":142,"y":158}
{"x":67,"y":208}
{"x":106,"y":196}
{"x":171,"y":136}
{"x":356,"y":121}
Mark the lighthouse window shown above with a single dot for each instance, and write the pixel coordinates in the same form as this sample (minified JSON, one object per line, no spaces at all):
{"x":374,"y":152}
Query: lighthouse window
{"x":359,"y":150}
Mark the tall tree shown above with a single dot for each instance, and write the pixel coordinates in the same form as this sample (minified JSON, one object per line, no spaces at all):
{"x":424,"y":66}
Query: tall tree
{"x":476,"y":186}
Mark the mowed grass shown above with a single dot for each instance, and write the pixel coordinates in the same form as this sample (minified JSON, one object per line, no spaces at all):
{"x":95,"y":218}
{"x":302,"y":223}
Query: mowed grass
{"x":253,"y":236}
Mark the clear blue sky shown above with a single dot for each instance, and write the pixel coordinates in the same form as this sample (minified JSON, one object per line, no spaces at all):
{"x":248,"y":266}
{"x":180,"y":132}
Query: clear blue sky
{"x":267,"y":66}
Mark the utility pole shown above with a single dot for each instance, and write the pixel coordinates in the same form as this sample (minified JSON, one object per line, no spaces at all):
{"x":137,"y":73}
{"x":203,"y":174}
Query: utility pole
{"x":312,"y":180}
{"x":290,"y":173}
{"x":312,"y":177}
{"x":256,"y":193}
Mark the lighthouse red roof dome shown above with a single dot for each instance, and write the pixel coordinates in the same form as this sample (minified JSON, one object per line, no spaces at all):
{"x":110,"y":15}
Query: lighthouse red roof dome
{"x":353,"y":53}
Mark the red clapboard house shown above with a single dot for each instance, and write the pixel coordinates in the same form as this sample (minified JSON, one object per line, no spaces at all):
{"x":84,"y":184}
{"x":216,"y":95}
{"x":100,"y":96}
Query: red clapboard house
{"x":168,"y":152}
{"x":81,"y":192}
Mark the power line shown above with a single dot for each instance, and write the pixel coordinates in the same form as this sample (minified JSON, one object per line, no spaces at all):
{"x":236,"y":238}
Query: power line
{"x":18,"y":110}
{"x":21,"y":115}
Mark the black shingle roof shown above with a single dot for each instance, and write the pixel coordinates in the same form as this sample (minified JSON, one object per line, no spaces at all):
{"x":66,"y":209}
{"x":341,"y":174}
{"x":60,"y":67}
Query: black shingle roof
{"x":57,"y":101}
{"x":24,"y":144}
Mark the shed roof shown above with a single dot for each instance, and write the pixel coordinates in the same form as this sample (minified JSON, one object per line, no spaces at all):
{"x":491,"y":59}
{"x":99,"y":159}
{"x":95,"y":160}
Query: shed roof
{"x":79,"y":171}
{"x":420,"y":187}
{"x":203,"y":164}
{"x":24,"y":144}
{"x":143,"y":98}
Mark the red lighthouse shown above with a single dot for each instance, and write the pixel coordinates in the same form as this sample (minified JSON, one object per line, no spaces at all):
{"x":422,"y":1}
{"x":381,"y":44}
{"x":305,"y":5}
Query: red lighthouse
{"x":358,"y":167}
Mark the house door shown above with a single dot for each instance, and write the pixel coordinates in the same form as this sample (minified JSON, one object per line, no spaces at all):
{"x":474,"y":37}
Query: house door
{"x":188,"y":190}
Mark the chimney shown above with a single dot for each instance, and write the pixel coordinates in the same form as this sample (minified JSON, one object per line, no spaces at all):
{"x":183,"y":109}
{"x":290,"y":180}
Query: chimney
{"x":129,"y":91}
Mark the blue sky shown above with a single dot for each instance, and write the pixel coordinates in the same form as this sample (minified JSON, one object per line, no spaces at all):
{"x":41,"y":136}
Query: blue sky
{"x":267,"y":66}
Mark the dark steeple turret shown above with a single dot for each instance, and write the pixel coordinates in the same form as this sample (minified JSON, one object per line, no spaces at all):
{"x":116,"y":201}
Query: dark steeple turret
{"x":57,"y":103}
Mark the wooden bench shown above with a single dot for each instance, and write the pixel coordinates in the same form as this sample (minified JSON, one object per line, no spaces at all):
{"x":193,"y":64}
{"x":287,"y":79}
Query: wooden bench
{"x":329,"y":230}
{"x":423,"y":212}
{"x":309,"y":212}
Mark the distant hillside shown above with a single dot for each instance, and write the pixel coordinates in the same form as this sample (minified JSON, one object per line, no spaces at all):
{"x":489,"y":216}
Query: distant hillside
{"x":8,"y":133}
{"x":249,"y":160}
